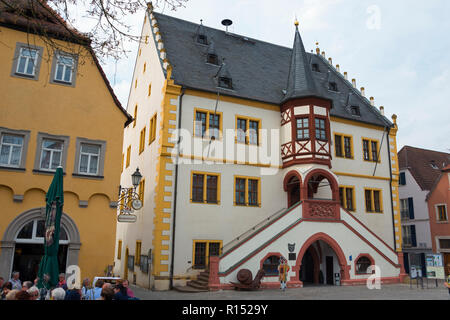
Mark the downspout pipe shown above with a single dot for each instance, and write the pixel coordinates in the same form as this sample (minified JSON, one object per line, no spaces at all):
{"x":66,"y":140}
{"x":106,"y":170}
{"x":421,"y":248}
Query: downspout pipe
{"x":175,"y":191}
{"x":390,"y":189}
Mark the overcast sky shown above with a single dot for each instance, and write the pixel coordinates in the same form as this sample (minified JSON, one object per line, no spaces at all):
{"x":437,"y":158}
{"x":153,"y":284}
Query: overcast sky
{"x":398,"y":50}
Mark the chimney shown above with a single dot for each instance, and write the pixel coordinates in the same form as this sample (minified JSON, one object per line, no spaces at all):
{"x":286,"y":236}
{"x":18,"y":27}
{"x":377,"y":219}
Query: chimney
{"x":323,"y":54}
{"x":346,"y":75}
{"x":382,"y":110}
{"x":372,"y":101}
{"x":363,"y":91}
{"x":354,"y":83}
{"x":317,"y":48}
{"x":338,"y":68}
{"x":330,"y":61}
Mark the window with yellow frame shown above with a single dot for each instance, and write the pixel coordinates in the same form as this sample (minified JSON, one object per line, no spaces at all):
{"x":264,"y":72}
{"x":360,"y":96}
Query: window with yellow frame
{"x":142,"y":190}
{"x":247,"y":191}
{"x":137,"y":258}
{"x":207,"y":124}
{"x":128,"y":156}
{"x":371,"y":150}
{"x":203,"y":250}
{"x":119,"y":250}
{"x":343,"y":146}
{"x":135,"y":115}
{"x":247,"y":130}
{"x":373,"y":200}
{"x":142,"y":140}
{"x":347,"y":197}
{"x":153,"y":125}
{"x":205,"y":188}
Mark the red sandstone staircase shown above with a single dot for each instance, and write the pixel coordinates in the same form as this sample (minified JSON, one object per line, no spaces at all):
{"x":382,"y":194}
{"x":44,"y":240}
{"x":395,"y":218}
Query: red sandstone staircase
{"x":198,"y":285}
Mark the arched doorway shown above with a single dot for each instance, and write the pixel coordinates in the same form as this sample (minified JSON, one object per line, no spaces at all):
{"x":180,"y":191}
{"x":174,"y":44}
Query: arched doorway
{"x":310,"y":267}
{"x":23,"y":237}
{"x":29,"y":249}
{"x":319,"y":260}
{"x":292,"y":185}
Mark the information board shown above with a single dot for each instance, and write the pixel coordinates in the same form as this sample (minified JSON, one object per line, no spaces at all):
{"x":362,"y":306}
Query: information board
{"x":435,"y":266}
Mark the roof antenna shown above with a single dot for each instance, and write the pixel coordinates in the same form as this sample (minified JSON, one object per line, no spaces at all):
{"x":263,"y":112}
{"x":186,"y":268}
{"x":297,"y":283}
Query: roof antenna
{"x":227,"y":23}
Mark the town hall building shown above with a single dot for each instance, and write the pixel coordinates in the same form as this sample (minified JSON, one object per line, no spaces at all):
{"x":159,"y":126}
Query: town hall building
{"x":252,"y":152}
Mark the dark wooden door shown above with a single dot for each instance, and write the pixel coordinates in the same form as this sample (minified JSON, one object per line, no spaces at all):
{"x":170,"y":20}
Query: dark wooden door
{"x":447,"y":264}
{"x":330,"y":271}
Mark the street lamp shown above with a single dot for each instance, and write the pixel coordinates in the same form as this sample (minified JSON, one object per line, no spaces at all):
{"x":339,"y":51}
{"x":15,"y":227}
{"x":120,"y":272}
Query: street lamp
{"x":136,"y":178}
{"x":129,"y":200}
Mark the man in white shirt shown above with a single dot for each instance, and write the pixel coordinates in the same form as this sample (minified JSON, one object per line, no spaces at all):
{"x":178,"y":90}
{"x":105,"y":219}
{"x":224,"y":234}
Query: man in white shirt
{"x":16,"y":283}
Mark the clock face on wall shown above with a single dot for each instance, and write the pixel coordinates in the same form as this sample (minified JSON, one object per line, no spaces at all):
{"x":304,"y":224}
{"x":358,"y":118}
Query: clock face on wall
{"x":136,"y":204}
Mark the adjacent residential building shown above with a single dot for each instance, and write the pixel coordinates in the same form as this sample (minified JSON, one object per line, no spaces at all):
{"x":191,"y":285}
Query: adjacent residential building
{"x":251,"y":152}
{"x":423,"y":199}
{"x":438,"y":203}
{"x":57,"y":109}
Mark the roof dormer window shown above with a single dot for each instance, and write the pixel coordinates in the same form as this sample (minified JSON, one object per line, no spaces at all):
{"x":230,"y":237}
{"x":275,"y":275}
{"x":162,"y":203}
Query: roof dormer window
{"x":202,"y":39}
{"x":433,"y":165}
{"x":355,"y":111}
{"x":225,"y":82}
{"x":212,"y":59}
{"x":332,"y":86}
{"x":315,"y":67}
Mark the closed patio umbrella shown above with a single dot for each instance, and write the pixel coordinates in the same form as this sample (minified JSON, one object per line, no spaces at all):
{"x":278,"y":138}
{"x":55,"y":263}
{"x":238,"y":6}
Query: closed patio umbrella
{"x":54,"y":204}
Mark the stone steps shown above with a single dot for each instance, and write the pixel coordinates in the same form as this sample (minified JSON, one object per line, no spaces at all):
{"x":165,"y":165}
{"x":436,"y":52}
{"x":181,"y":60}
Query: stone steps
{"x":198,"y":285}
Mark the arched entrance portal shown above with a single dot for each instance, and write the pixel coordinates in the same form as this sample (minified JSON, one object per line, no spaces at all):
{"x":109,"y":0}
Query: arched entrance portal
{"x":23,"y":237}
{"x":29,"y":249}
{"x":319,"y":260}
{"x":310,"y":268}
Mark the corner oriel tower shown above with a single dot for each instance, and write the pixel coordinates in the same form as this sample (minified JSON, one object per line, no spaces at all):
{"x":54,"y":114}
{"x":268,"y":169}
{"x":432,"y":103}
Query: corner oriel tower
{"x":305,"y":114}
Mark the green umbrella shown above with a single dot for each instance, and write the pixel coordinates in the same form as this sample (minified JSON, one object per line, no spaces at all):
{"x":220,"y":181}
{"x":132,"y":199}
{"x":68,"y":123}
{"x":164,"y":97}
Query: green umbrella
{"x":49,"y":266}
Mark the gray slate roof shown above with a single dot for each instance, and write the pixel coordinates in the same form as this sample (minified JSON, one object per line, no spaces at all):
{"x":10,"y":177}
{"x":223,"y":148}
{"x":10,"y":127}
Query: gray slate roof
{"x":300,"y":79}
{"x":259,"y":70}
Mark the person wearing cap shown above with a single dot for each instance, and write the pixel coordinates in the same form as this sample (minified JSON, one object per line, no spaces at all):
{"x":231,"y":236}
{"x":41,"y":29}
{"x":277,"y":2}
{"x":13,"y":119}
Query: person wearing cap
{"x":283,"y":273}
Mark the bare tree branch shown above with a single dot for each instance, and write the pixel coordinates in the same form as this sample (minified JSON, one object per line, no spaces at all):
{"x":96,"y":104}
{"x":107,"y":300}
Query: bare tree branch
{"x":109,"y":33}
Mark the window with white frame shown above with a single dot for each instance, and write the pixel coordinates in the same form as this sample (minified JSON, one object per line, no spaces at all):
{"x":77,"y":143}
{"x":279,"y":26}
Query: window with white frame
{"x":34,"y":232}
{"x":404,"y":209}
{"x":89,"y":159}
{"x":27,"y":62}
{"x":65,"y":66}
{"x":441,"y":210}
{"x":11,"y":150}
{"x":51,"y":154}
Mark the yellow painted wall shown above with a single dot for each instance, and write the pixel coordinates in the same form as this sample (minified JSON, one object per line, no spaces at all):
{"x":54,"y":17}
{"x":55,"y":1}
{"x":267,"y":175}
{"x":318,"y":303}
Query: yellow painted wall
{"x":86,"y":111}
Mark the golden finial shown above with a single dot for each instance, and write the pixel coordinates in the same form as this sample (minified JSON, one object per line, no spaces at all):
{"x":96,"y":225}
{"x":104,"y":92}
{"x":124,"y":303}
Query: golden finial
{"x":394,"y":118}
{"x":296,"y":22}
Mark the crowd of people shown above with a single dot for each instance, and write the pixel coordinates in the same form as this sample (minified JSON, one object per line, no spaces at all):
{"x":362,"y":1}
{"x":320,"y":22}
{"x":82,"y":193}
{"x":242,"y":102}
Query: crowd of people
{"x":14,"y":289}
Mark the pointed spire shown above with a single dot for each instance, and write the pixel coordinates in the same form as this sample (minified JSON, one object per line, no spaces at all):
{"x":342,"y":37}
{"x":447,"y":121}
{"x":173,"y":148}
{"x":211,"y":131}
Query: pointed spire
{"x":300,"y":79}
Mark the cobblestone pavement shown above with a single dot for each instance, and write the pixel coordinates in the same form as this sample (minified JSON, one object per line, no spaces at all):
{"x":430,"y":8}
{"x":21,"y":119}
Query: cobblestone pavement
{"x":387,"y":292}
